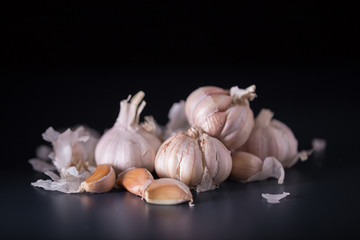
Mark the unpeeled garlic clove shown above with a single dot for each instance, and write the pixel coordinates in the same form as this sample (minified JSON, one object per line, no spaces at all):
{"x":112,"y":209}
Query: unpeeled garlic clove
{"x":244,"y":165}
{"x":134,"y":180}
{"x":167,"y":191}
{"x":102,"y":180}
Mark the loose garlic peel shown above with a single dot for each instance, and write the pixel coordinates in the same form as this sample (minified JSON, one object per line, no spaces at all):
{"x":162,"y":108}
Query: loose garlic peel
{"x":223,"y":114}
{"x":128,"y":144}
{"x":102,"y":180}
{"x":134,"y":180}
{"x":195,"y":158}
{"x":167,"y":191}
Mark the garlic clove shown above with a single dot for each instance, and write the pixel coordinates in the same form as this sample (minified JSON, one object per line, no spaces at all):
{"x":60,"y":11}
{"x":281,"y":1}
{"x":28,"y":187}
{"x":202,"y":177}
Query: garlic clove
{"x":167,"y":191}
{"x":270,"y":168}
{"x":244,"y":165}
{"x":134,"y":180}
{"x":102,"y":180}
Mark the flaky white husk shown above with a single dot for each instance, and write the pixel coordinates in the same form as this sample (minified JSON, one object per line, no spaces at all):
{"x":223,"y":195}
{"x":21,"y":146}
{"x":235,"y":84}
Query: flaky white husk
{"x":271,"y":137}
{"x":195,"y":158}
{"x":221,"y":113}
{"x":72,"y":148}
{"x":127,"y":144}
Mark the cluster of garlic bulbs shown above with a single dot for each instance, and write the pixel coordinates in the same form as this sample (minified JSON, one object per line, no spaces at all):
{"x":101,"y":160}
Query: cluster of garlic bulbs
{"x":210,"y":137}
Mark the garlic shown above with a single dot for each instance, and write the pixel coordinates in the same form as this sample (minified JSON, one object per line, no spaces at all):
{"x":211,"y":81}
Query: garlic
{"x":102,"y":180}
{"x":195,"y":158}
{"x":244,"y":165}
{"x":167,"y":191}
{"x":247,"y":167}
{"x":271,"y":137}
{"x":221,"y":113}
{"x":72,"y":148}
{"x":127,"y":144}
{"x":134,"y":180}
{"x":177,"y":120}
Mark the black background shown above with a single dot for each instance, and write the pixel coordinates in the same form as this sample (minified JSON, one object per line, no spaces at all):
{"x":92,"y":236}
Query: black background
{"x":67,"y":63}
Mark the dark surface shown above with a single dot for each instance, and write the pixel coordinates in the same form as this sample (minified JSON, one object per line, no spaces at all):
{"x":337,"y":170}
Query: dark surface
{"x":67,"y":63}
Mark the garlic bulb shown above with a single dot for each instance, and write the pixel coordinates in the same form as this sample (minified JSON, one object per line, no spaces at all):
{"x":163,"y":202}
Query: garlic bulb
{"x":221,"y":113}
{"x":195,"y":158}
{"x":127,"y":144}
{"x":271,"y":137}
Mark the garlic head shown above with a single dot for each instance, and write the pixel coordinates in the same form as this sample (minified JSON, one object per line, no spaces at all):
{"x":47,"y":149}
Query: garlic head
{"x":195,"y":158}
{"x":127,"y":144}
{"x":224,"y":114}
{"x":271,"y":137}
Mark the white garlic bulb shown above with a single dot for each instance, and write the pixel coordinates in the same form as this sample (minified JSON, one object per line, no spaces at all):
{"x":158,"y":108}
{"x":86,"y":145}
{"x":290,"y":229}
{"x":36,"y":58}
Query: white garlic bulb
{"x":127,"y":144}
{"x":195,"y":158}
{"x":271,"y":137}
{"x":221,"y":113}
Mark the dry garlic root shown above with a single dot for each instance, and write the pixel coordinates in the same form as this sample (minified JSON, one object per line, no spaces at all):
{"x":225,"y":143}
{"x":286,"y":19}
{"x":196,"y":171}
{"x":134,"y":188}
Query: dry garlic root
{"x":195,"y":158}
{"x":127,"y":144}
{"x":102,"y":180}
{"x":167,"y":191}
{"x":134,"y":180}
{"x":221,"y":113}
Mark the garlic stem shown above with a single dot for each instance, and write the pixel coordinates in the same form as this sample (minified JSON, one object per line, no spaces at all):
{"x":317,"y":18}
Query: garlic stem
{"x":240,"y":96}
{"x":130,"y":111}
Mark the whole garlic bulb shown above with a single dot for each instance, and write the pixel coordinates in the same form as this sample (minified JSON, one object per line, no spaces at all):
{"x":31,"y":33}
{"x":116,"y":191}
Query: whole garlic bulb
{"x":271,"y":137}
{"x":221,"y":113}
{"x":195,"y":158}
{"x":127,"y":144}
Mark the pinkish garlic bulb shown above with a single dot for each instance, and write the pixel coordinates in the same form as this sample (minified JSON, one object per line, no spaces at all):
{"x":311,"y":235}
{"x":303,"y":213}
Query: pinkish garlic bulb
{"x":195,"y":158}
{"x":271,"y":137}
{"x":221,"y":113}
{"x":128,"y":144}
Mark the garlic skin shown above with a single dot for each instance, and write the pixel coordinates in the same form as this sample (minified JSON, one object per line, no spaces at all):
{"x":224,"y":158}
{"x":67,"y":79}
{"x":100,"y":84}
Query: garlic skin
{"x":72,"y":148}
{"x":195,"y":158}
{"x":127,"y":144}
{"x":271,"y":137}
{"x":221,"y":113}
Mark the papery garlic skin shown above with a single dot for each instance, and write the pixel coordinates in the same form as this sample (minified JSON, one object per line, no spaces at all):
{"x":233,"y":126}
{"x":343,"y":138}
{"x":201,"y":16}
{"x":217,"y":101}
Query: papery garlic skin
{"x":221,"y":113}
{"x":195,"y":158}
{"x":72,"y":148}
{"x":271,"y":137}
{"x":127,"y":144}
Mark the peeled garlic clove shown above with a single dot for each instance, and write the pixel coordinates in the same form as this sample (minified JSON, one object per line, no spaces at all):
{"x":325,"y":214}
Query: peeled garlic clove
{"x":221,"y":113}
{"x":102,"y":180}
{"x":167,"y":191}
{"x":127,"y":144}
{"x":195,"y":158}
{"x":271,"y":137}
{"x":134,"y":180}
{"x":244,"y":165}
